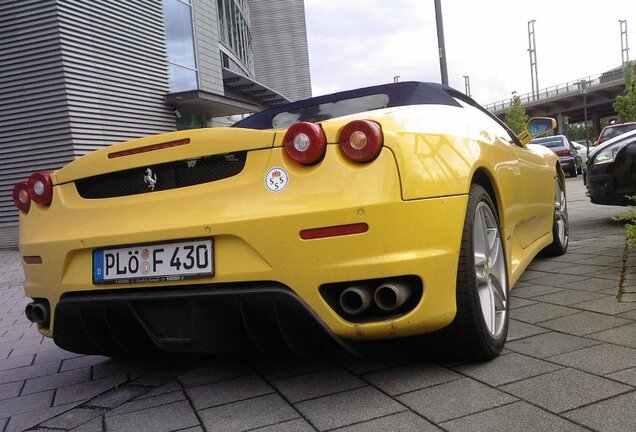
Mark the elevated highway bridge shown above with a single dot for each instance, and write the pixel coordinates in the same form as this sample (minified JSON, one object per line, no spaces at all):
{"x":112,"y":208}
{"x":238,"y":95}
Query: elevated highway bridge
{"x":565,"y":102}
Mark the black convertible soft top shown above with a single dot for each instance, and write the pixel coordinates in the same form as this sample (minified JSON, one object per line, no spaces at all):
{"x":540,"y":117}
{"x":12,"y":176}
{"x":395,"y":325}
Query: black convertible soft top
{"x":399,"y":94}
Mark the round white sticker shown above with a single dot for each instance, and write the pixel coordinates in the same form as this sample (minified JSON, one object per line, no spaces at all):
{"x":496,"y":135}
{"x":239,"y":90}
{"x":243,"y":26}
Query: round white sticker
{"x":276,"y":179}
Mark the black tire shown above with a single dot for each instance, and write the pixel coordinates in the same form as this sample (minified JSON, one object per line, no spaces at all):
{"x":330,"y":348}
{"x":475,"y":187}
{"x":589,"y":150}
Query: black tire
{"x":560,"y":222}
{"x":573,"y":172}
{"x":469,"y":337}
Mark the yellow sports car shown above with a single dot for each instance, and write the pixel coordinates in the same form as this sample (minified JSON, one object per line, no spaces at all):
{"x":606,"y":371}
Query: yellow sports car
{"x":377,"y":213}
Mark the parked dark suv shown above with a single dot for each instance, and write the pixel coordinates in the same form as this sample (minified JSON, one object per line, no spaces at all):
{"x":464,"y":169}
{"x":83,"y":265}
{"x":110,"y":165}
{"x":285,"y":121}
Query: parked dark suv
{"x":559,"y":144}
{"x":611,"y":170}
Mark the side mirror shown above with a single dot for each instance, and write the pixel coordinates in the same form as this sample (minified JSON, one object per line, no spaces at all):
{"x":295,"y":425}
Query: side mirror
{"x":536,"y":127}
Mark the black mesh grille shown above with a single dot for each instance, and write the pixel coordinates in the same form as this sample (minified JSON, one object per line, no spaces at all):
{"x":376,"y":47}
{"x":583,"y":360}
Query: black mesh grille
{"x":168,"y":176}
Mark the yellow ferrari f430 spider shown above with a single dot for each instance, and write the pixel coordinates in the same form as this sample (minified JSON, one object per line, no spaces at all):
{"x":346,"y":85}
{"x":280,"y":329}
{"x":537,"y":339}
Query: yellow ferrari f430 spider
{"x":378,"y":213}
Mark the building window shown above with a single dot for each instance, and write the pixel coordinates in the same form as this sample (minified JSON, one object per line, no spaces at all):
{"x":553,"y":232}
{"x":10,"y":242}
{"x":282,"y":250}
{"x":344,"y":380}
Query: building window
{"x":234,"y":27}
{"x":182,"y":64}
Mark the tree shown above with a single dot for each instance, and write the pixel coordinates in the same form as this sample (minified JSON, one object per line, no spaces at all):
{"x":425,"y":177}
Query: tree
{"x":625,"y":105}
{"x":516,"y":117}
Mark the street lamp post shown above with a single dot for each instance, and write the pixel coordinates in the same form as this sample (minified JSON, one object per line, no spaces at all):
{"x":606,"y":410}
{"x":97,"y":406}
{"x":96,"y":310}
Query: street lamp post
{"x":583,"y":84}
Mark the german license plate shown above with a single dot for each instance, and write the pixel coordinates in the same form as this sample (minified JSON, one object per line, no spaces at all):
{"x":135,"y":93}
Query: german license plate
{"x":157,"y":262}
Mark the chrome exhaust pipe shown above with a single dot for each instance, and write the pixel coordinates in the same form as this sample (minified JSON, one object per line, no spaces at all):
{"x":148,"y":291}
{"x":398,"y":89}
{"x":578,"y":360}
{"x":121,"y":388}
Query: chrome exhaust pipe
{"x":28,"y":311}
{"x":355,"y":299}
{"x":391,"y":295}
{"x":39,"y":313}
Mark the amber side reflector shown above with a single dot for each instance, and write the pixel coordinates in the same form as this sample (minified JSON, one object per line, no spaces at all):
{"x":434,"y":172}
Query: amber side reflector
{"x":334,"y":231}
{"x":32,"y":259}
{"x":148,"y":148}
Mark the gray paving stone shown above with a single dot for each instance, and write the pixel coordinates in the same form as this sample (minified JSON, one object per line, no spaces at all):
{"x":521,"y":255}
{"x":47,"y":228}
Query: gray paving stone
{"x":82,"y":362}
{"x":454,"y":399}
{"x":518,"y":330}
{"x":72,"y":418}
{"x":117,"y":396}
{"x":22,"y":404}
{"x":283,"y":368}
{"x":530,"y":275}
{"x":86,"y":390}
{"x":631,"y":315}
{"x":132,"y":368}
{"x":507,"y":369}
{"x":403,"y":379}
{"x":214,"y":373}
{"x":316,"y":384}
{"x":22,"y":422}
{"x":519,"y":302}
{"x":595,"y":284}
{"x":600,"y":359}
{"x":548,"y":265}
{"x":531,"y":291}
{"x":249,"y":414}
{"x":178,"y":415}
{"x":612,"y":415}
{"x":564,"y":389}
{"x":607,"y":305}
{"x":46,"y":355}
{"x":584,"y":323}
{"x":624,"y":335}
{"x":95,"y":425}
{"x":550,"y":344}
{"x":53,"y":381}
{"x":369,"y":363}
{"x":541,"y":312}
{"x":559,"y":280}
{"x":10,"y":390}
{"x":401,"y":422}
{"x":24,"y":373}
{"x":169,"y":387}
{"x":515,"y":417}
{"x":228,"y":391}
{"x":337,"y":410}
{"x":16,"y":362}
{"x":298,"y":425}
{"x":3,"y":423}
{"x":627,"y":376}
{"x":569,"y":297}
{"x":144,"y":404}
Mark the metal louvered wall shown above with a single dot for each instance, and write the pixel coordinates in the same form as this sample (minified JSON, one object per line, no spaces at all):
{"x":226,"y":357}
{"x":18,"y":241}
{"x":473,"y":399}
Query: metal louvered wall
{"x":279,"y":41}
{"x":75,"y":76}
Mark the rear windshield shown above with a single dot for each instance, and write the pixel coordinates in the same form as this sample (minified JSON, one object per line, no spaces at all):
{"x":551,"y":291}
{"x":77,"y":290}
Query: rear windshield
{"x":549,"y":142}
{"x":329,"y":110}
{"x":614,"y":131}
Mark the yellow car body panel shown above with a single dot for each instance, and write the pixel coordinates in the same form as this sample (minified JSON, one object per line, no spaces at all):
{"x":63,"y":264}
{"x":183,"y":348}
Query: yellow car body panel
{"x":414,"y":203}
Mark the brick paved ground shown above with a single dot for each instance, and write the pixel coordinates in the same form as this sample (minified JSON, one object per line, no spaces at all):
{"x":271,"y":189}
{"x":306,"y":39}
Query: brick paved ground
{"x":570,"y":364}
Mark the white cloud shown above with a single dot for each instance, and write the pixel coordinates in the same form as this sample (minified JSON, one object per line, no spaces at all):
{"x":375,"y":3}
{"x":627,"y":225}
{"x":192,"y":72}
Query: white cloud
{"x":356,"y":43}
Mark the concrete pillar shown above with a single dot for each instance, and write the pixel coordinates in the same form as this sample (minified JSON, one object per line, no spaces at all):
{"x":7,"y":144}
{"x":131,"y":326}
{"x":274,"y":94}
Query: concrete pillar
{"x":560,"y":124}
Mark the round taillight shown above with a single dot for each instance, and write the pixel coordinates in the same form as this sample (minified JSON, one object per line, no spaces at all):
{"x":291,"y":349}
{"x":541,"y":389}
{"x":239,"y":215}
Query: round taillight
{"x":21,"y":197}
{"x":305,"y":142}
{"x":40,"y":188}
{"x":361,"y":140}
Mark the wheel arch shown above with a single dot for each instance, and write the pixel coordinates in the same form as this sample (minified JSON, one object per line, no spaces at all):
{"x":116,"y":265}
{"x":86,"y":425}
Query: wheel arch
{"x":482,"y":177}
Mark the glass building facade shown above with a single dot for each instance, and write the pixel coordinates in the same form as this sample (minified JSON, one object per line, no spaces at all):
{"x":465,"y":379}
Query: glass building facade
{"x":182,"y":61}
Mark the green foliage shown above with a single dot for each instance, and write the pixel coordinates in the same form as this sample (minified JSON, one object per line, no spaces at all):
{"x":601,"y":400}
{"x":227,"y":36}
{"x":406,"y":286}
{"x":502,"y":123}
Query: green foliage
{"x":630,"y":227}
{"x":516,"y":117}
{"x":625,"y":105}
{"x":576,"y":132}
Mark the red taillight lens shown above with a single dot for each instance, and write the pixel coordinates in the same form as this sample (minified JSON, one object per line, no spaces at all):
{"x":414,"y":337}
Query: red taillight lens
{"x":305,"y":142}
{"x":361,"y":140}
{"x":565,"y":152}
{"x":40,"y":188}
{"x":21,"y":197}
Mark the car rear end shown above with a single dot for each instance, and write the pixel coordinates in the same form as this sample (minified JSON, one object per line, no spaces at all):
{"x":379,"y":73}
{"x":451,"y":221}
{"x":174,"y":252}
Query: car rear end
{"x":204,"y":240}
{"x":560,"y":146}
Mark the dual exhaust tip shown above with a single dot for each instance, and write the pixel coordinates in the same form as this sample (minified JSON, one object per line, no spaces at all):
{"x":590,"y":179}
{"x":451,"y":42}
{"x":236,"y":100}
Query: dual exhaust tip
{"x":388,"y":297}
{"x":38,"y":312}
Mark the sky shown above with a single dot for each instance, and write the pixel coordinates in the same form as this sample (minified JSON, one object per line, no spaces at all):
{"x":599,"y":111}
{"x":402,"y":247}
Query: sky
{"x":357,"y":43}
